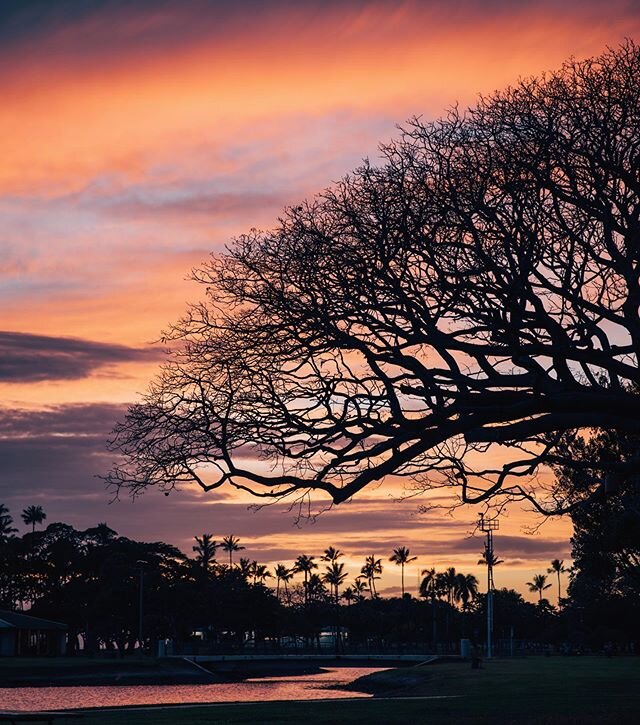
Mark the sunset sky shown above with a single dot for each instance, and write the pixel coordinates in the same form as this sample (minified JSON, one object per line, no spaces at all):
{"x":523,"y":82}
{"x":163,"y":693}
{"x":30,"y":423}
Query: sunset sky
{"x":135,"y":139}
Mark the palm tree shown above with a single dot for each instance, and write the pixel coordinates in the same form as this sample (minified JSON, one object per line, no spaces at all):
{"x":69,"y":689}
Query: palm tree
{"x":493,"y":558}
{"x":245,"y":567}
{"x":259,"y":572}
{"x":359,"y":589}
{"x":284,"y":575}
{"x":400,"y":557}
{"x":205,"y":550}
{"x":316,"y":588}
{"x":230,"y":544}
{"x":431,"y":588}
{"x":33,"y":515}
{"x":349,"y":595}
{"x":449,"y":583}
{"x":305,"y":564}
{"x":466,"y":589}
{"x":335,"y":576}
{"x":372,"y":566}
{"x":557,"y":567}
{"x":101,"y":534}
{"x":331,"y":554}
{"x":539,"y":584}
{"x":6,"y":528}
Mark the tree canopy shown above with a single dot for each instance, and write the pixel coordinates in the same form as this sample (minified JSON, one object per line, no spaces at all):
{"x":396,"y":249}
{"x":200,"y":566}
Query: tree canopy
{"x":456,"y":314}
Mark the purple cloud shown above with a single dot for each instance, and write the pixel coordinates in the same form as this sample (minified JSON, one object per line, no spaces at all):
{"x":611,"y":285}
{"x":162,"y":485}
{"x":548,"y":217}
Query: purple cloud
{"x":27,"y":358}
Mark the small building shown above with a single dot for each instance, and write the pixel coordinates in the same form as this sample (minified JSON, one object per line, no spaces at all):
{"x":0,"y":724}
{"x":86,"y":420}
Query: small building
{"x":21,"y":634}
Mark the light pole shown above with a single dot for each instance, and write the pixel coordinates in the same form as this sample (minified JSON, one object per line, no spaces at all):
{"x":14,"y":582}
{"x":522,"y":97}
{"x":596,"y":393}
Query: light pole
{"x":141,"y":603}
{"x":488,"y":526}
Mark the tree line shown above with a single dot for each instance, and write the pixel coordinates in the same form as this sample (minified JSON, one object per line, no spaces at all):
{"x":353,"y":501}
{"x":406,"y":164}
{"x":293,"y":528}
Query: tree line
{"x":91,"y":580}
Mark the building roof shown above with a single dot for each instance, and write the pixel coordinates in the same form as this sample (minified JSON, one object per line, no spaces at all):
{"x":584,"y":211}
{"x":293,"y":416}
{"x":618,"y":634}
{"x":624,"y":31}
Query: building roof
{"x":17,"y":620}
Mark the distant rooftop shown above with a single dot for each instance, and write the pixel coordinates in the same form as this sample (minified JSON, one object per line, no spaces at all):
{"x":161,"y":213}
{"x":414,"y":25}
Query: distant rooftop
{"x":17,"y":620}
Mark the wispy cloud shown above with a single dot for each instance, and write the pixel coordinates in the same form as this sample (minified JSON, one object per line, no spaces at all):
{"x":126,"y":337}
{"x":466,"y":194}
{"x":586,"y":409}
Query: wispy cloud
{"x":26,"y":358}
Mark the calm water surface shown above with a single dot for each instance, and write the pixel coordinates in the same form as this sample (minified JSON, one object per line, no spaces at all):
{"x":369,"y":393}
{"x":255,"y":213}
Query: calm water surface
{"x":290,"y":687}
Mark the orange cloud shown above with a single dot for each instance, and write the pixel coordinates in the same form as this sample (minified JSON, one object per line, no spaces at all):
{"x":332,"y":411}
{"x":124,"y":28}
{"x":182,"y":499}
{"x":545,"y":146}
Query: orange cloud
{"x":73,"y":121}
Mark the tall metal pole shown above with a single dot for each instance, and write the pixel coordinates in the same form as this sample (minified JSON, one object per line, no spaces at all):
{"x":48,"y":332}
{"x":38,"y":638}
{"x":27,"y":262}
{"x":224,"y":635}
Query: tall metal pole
{"x":489,"y":526}
{"x":489,"y":594}
{"x":141,"y":604}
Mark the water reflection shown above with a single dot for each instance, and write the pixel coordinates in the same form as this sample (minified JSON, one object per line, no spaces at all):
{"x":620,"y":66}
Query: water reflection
{"x":289,"y":687}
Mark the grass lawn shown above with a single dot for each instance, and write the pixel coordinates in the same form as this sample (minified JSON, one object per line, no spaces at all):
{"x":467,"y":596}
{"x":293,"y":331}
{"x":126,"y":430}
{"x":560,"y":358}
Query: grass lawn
{"x":37,"y":664}
{"x":25,"y":671}
{"x":536,"y":690}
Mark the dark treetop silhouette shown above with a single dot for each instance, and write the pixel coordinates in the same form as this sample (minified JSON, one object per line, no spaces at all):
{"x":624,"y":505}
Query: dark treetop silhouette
{"x":453,"y":315}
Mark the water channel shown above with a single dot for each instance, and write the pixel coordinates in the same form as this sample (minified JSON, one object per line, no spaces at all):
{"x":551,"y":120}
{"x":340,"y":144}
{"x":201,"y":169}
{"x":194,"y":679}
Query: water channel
{"x":259,"y":689}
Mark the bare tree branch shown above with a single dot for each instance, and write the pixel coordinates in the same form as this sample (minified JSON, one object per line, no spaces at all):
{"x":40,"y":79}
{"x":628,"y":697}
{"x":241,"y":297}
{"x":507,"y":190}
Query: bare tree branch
{"x":473,"y":299}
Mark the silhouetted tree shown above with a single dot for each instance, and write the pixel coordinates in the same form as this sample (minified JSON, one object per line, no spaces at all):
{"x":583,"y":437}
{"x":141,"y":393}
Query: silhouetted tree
{"x":6,"y":524}
{"x":33,"y":515}
{"x":245,"y":567}
{"x":331,"y":554}
{"x":335,"y":576}
{"x":349,"y":595}
{"x":604,"y":584}
{"x":431,"y":589}
{"x":100,"y":535}
{"x":285,"y":575}
{"x":486,"y":558}
{"x":359,"y":589}
{"x":231,"y":544}
{"x":466,"y":589}
{"x":401,"y":557}
{"x":305,"y":565}
{"x":449,"y":583}
{"x":557,"y":568}
{"x":538,"y":584}
{"x":205,"y":550}
{"x":371,"y":570}
{"x":259,"y":572}
{"x":479,"y":290}
{"x":316,"y":590}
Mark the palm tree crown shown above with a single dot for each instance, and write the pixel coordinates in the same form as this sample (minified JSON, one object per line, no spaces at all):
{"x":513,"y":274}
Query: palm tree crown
{"x":538,"y":584}
{"x":359,"y":588}
{"x":230,"y":544}
{"x":371,"y":568}
{"x":466,"y":589}
{"x":335,"y":576}
{"x":305,"y":565}
{"x":449,"y":582}
{"x":33,"y":515}
{"x":557,"y":568}
{"x":315,"y":588}
{"x":487,"y":558}
{"x":284,"y":575}
{"x":245,"y":567}
{"x":259,"y":572}
{"x":430,"y":584}
{"x":205,"y":550}
{"x":331,"y":554}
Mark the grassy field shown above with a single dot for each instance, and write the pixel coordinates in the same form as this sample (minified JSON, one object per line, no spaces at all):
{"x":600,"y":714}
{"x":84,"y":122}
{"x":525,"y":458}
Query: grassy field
{"x":535,"y":690}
